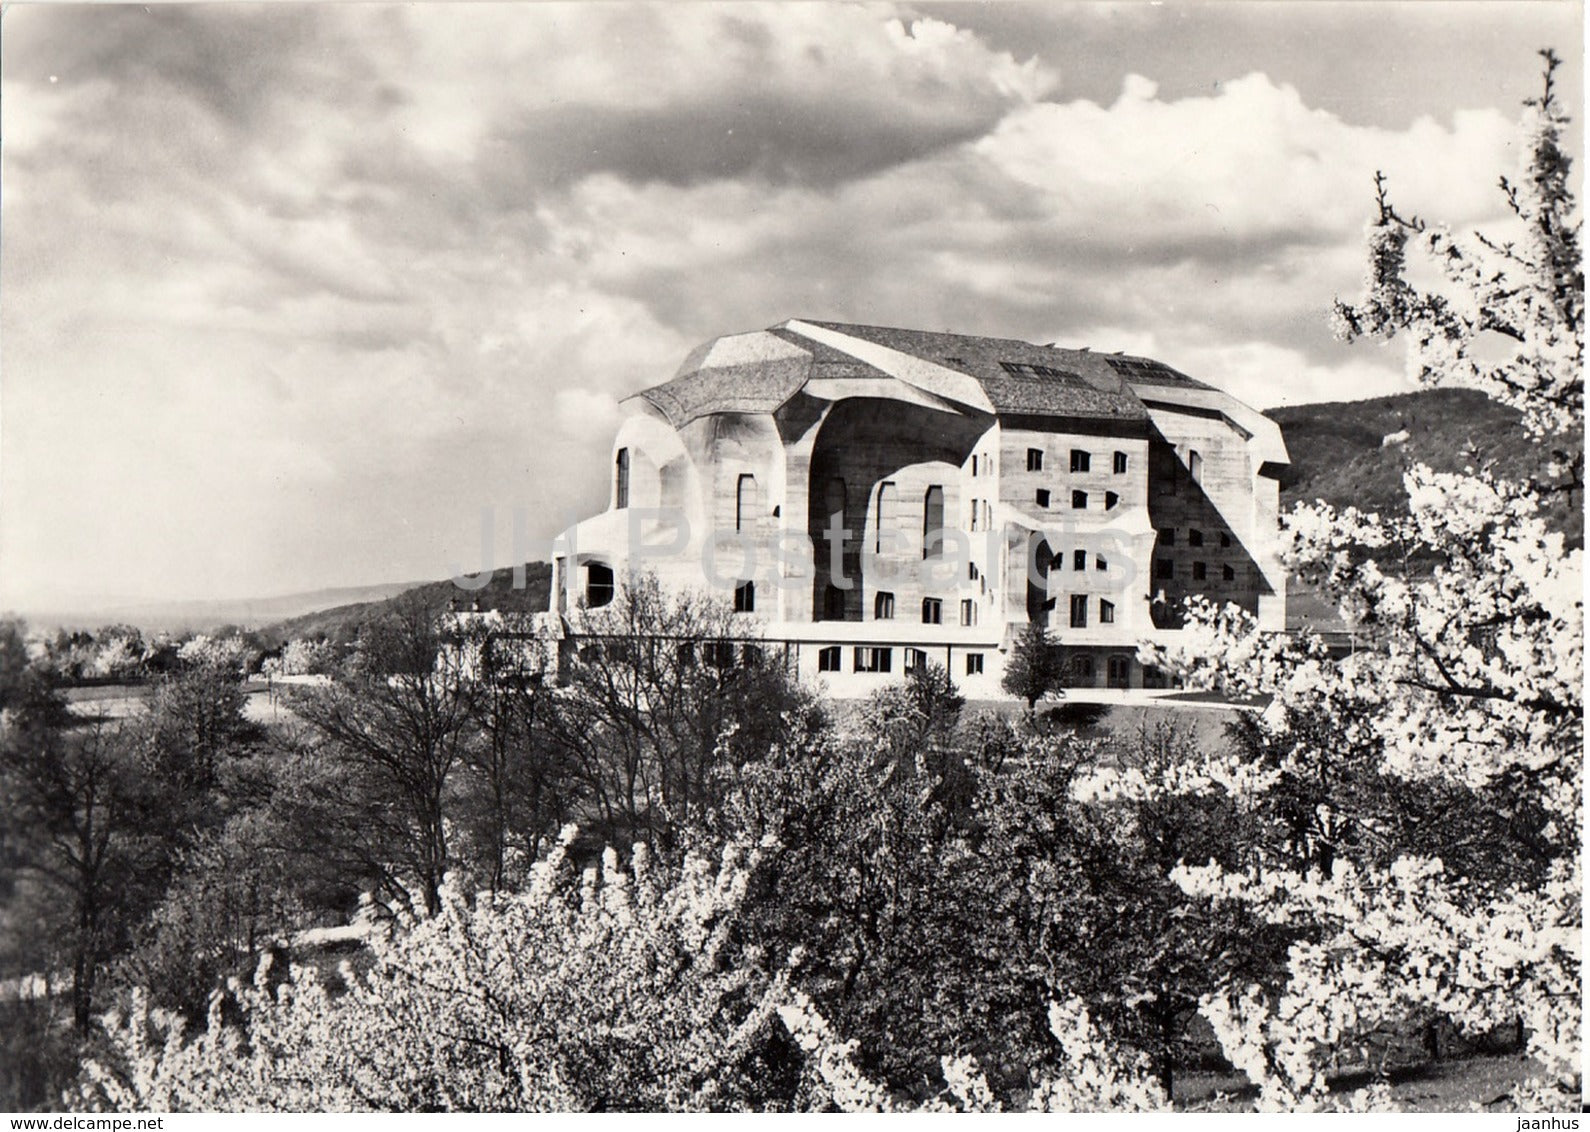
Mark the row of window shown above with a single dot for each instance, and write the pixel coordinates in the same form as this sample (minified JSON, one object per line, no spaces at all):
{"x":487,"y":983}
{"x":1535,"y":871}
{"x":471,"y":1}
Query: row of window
{"x":1166,"y":568}
{"x":1195,"y":537}
{"x":1081,"y":461}
{"x":883,"y":607}
{"x":872,"y":658}
{"x":1079,"y":611}
{"x":1079,"y":499}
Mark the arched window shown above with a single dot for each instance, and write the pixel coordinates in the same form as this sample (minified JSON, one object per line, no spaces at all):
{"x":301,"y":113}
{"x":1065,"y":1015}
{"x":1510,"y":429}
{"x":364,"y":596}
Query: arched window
{"x":886,"y":503}
{"x":933,"y":523}
{"x":621,"y":479}
{"x":745,"y":502}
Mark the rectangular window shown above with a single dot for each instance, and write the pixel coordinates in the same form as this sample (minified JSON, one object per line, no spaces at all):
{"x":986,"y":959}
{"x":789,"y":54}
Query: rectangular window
{"x":1164,"y":568}
{"x":883,"y":607}
{"x":971,"y":572}
{"x":933,"y":523}
{"x":1120,"y":463}
{"x":1079,"y":611}
{"x":1106,"y":612}
{"x":974,"y":465}
{"x":873,"y":660}
{"x":973,"y":523}
{"x":745,"y":597}
{"x":1035,"y":459}
{"x":1110,"y":500}
{"x":1195,"y":466}
{"x":932,"y":611}
{"x":974,"y":664}
{"x":1079,"y":500}
{"x":751,"y":655}
{"x":1227,"y":573}
{"x":1195,"y":537}
{"x":685,"y":655}
{"x":1099,"y":563}
{"x":1079,"y":560}
{"x":915,"y":660}
{"x":1167,"y":536}
{"x":719,"y":654}
{"x":1080,"y":461}
{"x":1041,"y":497}
{"x":968,"y":611}
{"x":1198,"y":571}
{"x":828,"y":659}
{"x":1225,"y":539}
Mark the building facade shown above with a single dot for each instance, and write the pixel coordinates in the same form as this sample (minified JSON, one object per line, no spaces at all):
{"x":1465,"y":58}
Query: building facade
{"x":871,"y":499}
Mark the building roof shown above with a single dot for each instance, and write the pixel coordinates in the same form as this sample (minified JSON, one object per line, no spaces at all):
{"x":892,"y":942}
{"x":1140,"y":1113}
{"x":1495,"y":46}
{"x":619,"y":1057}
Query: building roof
{"x":760,"y":370}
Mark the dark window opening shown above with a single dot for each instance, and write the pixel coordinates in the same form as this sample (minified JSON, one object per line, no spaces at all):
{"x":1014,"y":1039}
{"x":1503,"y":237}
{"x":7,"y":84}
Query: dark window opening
{"x":883,"y":607}
{"x":1227,"y":573}
{"x":598,"y":584}
{"x":1195,"y":537}
{"x":828,"y":659}
{"x":1079,"y":500}
{"x":621,"y":479}
{"x":1199,"y":572}
{"x":1164,"y":568}
{"x":1035,"y":459}
{"x":933,"y":523}
{"x":932,"y":611}
{"x":1120,"y":463}
{"x":1081,"y":461}
{"x":745,"y":597}
{"x":1041,"y":497}
{"x":1106,"y":612}
{"x":1079,"y":611}
{"x":1079,"y":560}
{"x":1110,"y":500}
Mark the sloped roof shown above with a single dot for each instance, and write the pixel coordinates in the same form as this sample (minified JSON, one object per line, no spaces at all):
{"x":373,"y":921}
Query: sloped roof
{"x":760,"y":370}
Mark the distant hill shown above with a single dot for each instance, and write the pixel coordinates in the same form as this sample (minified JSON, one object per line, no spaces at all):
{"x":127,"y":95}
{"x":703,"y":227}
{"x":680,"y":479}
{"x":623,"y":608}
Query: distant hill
{"x":341,"y":623}
{"x":201,"y":616}
{"x":1340,"y":454}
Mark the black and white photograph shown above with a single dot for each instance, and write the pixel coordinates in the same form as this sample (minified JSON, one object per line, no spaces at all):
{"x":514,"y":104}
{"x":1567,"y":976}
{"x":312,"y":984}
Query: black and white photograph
{"x":979,"y":556}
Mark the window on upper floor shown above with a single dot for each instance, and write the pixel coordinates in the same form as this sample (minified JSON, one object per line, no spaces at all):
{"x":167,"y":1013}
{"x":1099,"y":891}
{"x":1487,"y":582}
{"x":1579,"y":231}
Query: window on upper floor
{"x":1099,"y":563}
{"x":833,"y":604}
{"x":1110,"y":500}
{"x":745,"y":597}
{"x":1081,"y":461}
{"x":745,"y":502}
{"x":1164,"y":568}
{"x":1167,"y":536}
{"x":1041,"y":497}
{"x":1225,"y":538}
{"x":1195,"y":537}
{"x":933,"y":523}
{"x":1195,"y":466}
{"x":974,"y":464}
{"x":1079,"y":501}
{"x":968,"y":611}
{"x":1227,"y":574}
{"x":883,"y":607}
{"x":1035,"y":459}
{"x":932,"y":611}
{"x":1079,"y":560}
{"x":1079,"y":611}
{"x":621,"y":479}
{"x":886,"y":506}
{"x":1120,"y":463}
{"x":1106,"y":612}
{"x":1200,"y":572}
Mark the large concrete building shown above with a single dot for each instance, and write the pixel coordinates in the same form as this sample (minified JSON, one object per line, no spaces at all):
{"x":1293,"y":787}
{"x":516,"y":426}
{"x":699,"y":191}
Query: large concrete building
{"x":871,"y":499}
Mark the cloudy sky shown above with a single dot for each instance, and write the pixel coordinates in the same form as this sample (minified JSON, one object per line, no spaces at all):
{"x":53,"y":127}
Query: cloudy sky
{"x":289,"y":294}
